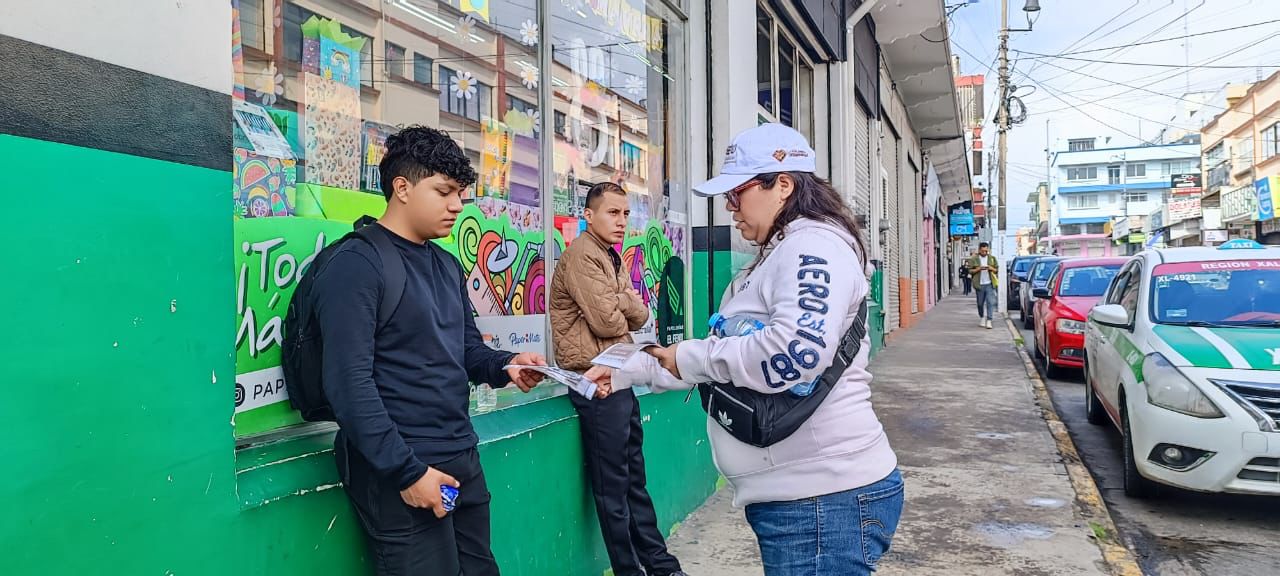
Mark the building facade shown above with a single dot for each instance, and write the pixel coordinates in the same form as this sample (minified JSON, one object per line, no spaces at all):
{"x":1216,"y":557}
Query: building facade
{"x":1242,"y":163}
{"x":1094,"y":187}
{"x":220,"y":145}
{"x":1041,"y":208}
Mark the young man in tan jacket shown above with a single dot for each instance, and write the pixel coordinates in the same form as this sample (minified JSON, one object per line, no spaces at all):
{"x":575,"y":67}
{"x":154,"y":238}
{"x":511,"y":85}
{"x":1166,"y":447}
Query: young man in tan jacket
{"x":594,"y":306}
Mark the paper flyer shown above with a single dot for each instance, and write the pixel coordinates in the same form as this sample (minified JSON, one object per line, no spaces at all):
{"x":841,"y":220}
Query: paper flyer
{"x":573,"y":380}
{"x":618,"y":354}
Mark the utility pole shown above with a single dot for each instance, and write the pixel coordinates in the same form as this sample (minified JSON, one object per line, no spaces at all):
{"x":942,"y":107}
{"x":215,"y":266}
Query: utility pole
{"x":1002,"y":120}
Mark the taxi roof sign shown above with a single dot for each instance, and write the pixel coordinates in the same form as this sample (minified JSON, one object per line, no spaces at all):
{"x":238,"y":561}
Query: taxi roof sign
{"x":1241,"y":244}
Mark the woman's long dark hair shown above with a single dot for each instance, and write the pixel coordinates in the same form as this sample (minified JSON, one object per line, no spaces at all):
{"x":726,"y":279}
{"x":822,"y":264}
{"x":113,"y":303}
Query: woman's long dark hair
{"x":813,"y":198}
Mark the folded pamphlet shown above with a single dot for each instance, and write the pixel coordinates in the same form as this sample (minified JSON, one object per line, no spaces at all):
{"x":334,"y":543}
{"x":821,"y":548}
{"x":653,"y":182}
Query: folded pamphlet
{"x":573,"y":380}
{"x":618,"y":354}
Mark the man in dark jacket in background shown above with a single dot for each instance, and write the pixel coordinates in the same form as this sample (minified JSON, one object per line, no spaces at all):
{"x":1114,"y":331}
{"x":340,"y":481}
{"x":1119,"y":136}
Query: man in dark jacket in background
{"x":400,"y":391}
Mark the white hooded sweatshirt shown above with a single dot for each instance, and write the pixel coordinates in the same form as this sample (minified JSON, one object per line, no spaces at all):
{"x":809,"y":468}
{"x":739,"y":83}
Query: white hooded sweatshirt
{"x":807,"y":292}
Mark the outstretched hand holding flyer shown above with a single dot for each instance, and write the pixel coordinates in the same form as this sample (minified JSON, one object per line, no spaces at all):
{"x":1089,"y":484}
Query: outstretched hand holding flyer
{"x":573,"y":380}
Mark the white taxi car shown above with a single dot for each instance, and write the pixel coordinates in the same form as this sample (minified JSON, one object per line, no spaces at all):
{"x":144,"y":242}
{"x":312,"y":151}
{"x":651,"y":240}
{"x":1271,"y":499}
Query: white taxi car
{"x":1183,"y":356}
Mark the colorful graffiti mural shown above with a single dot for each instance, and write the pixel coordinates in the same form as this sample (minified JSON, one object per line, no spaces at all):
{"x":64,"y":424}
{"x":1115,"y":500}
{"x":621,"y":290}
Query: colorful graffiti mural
{"x":505,"y":268}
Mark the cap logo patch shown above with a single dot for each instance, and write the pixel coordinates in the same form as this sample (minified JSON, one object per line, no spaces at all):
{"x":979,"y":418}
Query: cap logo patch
{"x":780,"y":155}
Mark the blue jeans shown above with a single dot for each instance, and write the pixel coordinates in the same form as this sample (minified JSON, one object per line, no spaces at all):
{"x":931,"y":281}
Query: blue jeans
{"x":987,"y":299}
{"x":843,"y":534}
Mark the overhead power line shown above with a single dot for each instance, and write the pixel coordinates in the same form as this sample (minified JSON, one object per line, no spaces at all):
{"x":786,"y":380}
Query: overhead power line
{"x":1036,"y":56}
{"x":1206,"y":33}
{"x":1118,"y":51}
{"x":1095,"y":30}
{"x":1160,"y":76}
{"x":1130,"y":86}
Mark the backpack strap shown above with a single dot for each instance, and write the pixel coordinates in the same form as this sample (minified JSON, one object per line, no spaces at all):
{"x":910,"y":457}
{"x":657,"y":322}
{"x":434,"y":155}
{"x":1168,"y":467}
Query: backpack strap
{"x":394,"y":275}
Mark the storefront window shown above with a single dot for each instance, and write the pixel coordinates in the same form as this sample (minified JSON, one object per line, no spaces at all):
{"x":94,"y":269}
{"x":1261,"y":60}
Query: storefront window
{"x":784,"y":76}
{"x":311,"y":122}
{"x":618,"y":107}
{"x":764,"y":61}
{"x":786,"y":81}
{"x":313,"y":108}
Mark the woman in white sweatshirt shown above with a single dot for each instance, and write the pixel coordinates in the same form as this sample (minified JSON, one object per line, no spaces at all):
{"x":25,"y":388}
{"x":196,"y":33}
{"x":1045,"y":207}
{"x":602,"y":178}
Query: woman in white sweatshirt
{"x":825,"y":500}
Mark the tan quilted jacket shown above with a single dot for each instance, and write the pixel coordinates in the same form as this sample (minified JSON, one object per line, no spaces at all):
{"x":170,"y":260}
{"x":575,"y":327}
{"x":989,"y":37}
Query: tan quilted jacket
{"x":591,"y":308}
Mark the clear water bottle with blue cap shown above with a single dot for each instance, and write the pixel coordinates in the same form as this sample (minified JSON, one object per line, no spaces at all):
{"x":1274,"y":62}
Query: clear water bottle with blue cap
{"x":723,"y":326}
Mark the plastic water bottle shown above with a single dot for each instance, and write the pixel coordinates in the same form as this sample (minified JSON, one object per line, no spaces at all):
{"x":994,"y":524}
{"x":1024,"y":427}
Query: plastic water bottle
{"x":486,"y":399}
{"x":733,"y":325}
{"x":741,"y":326}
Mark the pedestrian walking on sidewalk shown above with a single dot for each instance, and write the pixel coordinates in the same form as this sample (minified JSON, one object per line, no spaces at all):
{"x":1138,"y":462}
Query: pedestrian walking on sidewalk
{"x":985,"y":271}
{"x":968,"y":280}
{"x":593,"y":307}
{"x":825,"y":499}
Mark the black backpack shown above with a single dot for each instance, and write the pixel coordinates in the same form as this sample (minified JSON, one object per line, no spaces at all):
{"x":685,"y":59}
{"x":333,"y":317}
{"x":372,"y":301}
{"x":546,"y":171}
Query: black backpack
{"x":302,"y":351}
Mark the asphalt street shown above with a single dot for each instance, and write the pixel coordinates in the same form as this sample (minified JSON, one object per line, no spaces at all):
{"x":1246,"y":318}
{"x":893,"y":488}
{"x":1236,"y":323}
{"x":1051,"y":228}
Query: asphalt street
{"x":1178,"y":532}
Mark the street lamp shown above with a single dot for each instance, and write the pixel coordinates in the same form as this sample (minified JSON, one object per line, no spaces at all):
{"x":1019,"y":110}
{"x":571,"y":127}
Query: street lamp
{"x":1031,"y":7}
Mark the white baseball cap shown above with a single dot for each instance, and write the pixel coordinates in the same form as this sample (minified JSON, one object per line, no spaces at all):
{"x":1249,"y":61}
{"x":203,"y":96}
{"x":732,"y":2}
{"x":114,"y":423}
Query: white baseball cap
{"x":765,"y":149}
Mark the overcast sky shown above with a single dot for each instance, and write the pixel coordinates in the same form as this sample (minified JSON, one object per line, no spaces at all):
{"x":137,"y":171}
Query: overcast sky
{"x":1050,"y":87}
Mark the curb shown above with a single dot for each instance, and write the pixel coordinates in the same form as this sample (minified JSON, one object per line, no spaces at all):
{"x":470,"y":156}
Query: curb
{"x":1119,"y":558}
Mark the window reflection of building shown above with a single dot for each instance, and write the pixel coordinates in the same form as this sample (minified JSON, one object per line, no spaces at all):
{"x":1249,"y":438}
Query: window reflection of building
{"x":613,"y":100}
{"x":479,"y":77}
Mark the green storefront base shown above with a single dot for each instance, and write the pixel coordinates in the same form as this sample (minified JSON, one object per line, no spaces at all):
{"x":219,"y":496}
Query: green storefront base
{"x":118,"y":364}
{"x":544,"y":520}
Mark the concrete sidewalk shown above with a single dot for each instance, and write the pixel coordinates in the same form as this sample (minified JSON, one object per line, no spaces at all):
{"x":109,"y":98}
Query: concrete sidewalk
{"x":986,"y":489}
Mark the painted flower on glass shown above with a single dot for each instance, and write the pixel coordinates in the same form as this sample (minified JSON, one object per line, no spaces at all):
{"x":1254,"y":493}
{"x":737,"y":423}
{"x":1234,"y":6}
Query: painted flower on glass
{"x":466,"y":27}
{"x":463,"y":85}
{"x":537,"y":121}
{"x":634,"y":86}
{"x":270,"y":85}
{"x":529,"y":76}
{"x":529,"y":33}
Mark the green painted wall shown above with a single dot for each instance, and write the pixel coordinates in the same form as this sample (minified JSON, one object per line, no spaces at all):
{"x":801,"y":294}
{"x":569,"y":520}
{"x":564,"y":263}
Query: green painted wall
{"x":118,"y":365}
{"x":727,"y":263}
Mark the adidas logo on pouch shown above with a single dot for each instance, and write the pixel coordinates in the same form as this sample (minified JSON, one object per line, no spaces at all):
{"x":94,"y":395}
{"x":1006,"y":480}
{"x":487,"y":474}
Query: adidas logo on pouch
{"x":725,"y":420}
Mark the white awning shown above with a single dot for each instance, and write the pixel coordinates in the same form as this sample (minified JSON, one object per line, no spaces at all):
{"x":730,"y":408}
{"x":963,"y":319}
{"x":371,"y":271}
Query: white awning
{"x":913,"y":39}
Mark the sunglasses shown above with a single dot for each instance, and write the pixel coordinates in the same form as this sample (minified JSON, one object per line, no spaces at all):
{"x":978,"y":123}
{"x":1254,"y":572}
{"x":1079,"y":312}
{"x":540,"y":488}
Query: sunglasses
{"x":733,"y":197}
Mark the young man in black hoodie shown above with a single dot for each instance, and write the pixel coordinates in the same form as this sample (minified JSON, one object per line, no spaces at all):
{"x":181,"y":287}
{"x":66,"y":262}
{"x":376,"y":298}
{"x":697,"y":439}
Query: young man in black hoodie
{"x":400,"y":391}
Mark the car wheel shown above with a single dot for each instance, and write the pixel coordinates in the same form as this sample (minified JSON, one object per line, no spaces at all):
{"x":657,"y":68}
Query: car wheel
{"x":1051,"y":370}
{"x":1029,"y":320}
{"x":1135,"y":485}
{"x":1035,"y":345}
{"x":1093,"y":410}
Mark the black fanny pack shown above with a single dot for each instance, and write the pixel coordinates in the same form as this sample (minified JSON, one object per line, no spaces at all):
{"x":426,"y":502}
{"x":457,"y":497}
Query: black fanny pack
{"x":763,"y":420}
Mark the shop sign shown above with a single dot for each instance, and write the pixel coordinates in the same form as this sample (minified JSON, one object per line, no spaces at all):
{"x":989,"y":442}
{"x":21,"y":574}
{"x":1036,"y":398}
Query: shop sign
{"x":1268,"y":192}
{"x":1184,"y":209}
{"x":1215,"y":236}
{"x":1137,"y":238}
{"x":1185,"y":183}
{"x":1240,"y":203}
{"x":1120,"y":229}
{"x":1157,"y":219}
{"x":960,"y":219}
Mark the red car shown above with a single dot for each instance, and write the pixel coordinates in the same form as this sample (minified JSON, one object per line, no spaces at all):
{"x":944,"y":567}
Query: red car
{"x":1062,"y":307}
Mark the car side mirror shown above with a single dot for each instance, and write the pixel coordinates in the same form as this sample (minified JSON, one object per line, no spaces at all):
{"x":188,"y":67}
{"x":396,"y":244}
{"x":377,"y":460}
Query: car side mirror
{"x":1113,"y":315}
{"x":1041,"y":293}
